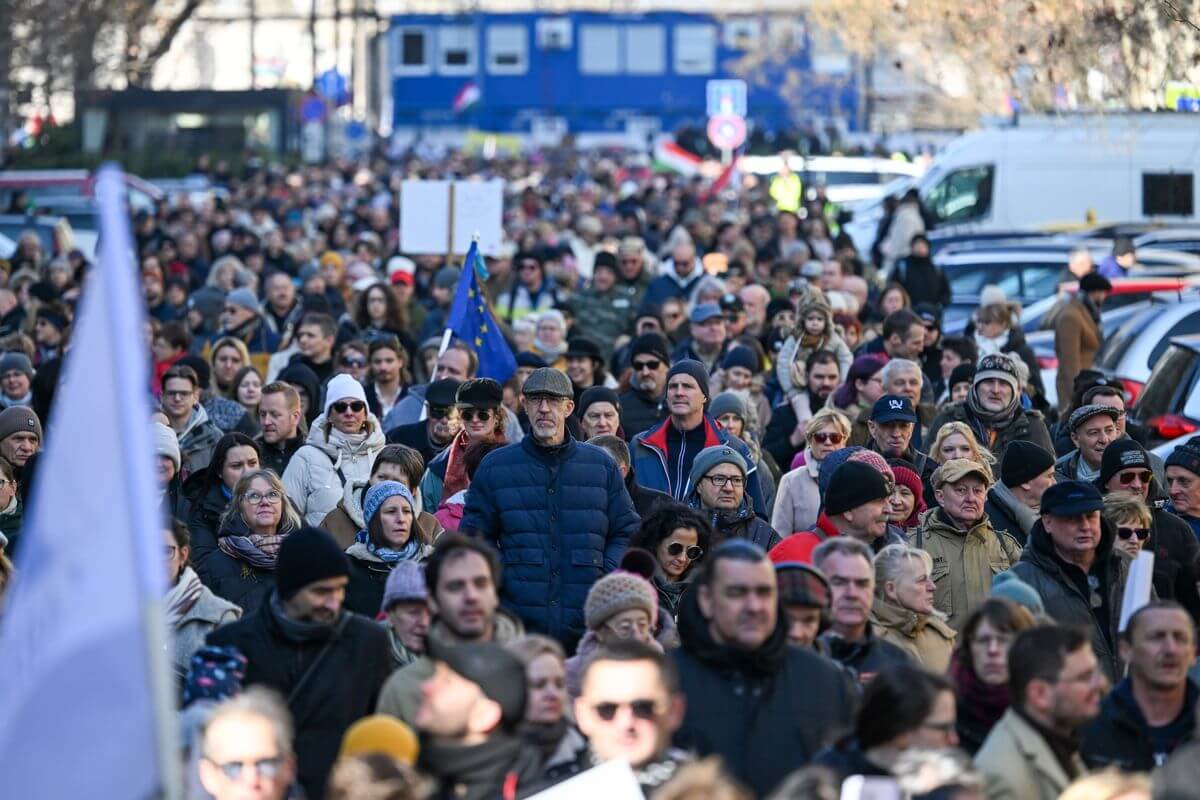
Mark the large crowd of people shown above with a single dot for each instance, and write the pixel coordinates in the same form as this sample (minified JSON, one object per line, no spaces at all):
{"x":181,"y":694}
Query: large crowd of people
{"x":741,"y":518}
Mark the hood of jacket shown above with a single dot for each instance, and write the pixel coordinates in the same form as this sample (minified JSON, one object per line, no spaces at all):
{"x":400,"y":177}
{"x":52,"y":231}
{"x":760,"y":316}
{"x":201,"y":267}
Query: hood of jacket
{"x":697,"y":640}
{"x":887,"y":614}
{"x":683,"y":282}
{"x":199,"y":417}
{"x":336,"y":443}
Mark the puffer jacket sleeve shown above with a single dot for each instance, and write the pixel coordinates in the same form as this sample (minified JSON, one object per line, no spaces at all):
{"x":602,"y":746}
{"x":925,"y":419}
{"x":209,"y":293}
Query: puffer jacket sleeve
{"x":623,"y":521}
{"x":296,"y":479}
{"x":481,"y":516}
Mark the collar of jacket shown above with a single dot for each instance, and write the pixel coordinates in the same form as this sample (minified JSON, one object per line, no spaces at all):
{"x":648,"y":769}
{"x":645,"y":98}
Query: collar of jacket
{"x":505,"y":629}
{"x":934,"y":522}
{"x":908,"y":622}
{"x":553,"y":453}
{"x":657,"y":437}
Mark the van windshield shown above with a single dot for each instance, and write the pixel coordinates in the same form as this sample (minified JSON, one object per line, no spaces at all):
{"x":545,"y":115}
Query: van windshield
{"x":962,"y":195}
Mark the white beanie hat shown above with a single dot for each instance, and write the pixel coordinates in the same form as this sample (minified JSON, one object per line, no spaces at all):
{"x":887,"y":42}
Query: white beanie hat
{"x":166,"y":443}
{"x":341,"y":387}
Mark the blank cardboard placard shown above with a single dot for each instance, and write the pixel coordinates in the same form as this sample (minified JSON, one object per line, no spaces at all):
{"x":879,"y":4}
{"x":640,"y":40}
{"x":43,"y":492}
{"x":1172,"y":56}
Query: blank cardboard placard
{"x":425,"y":216}
{"x":612,"y":780}
{"x":1137,"y":587}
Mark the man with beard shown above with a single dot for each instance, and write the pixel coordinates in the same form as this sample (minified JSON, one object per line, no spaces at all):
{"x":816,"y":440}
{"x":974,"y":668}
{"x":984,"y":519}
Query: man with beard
{"x":966,"y":551}
{"x":1153,"y":710}
{"x":641,"y":406}
{"x":279,"y":415}
{"x":761,"y":705}
{"x":784,"y":437}
{"x":993,"y":408}
{"x":303,"y":644}
{"x":442,"y":422}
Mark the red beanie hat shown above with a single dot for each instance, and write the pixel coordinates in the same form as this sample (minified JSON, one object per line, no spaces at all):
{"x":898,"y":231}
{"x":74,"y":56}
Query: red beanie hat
{"x":908,"y":477}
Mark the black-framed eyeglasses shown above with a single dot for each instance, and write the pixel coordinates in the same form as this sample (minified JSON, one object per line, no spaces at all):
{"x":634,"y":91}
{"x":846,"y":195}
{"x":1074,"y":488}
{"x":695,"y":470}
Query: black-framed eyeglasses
{"x":342,"y":406}
{"x":692,"y":552}
{"x":720,"y":481}
{"x":641,"y":709}
{"x":266,"y":767}
{"x":1141,"y":533}
{"x":472,"y":414}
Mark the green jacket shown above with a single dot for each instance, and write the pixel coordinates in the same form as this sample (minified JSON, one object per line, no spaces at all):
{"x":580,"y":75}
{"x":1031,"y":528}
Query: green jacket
{"x":963,"y":563}
{"x":603,"y":316}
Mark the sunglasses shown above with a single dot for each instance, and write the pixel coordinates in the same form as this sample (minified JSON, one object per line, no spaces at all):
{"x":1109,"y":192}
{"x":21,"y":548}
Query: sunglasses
{"x":440,"y":412}
{"x":472,"y":414}
{"x":1127,"y":478}
{"x":266,"y":767}
{"x":354,"y":362}
{"x":652,"y":363}
{"x":641,"y":709}
{"x":1141,"y":533}
{"x":827,"y":438}
{"x":342,"y":406}
{"x":693,"y":552}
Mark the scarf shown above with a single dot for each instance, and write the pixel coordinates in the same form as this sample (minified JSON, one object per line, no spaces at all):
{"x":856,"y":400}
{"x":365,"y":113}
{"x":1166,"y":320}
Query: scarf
{"x":990,"y":346}
{"x":979,"y":703}
{"x":477,"y":769}
{"x":258,"y":550}
{"x":296,"y":630}
{"x":182,"y":596}
{"x":1023,"y":514}
{"x":456,"y":478}
{"x":545,"y":738}
{"x":991,"y":420}
{"x":390,"y":555}
{"x":552,"y":354}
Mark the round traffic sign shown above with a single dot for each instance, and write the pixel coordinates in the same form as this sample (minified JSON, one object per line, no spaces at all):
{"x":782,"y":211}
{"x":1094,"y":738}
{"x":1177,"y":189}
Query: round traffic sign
{"x":726,"y":131}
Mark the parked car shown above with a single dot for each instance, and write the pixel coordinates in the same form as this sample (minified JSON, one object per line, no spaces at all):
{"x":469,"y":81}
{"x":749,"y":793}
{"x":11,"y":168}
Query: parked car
{"x":54,"y":233}
{"x":1131,"y":353}
{"x":38,"y":185}
{"x":1169,"y":403}
{"x":847,"y":179}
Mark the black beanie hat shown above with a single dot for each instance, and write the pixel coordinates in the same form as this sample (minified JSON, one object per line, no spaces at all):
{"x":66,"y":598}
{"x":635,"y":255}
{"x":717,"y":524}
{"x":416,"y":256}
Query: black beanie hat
{"x":651,"y":344}
{"x":307,"y":556}
{"x":1022,"y":462}
{"x":692,"y":367}
{"x":854,"y":484}
{"x":1121,"y":454}
{"x":1186,"y":455}
{"x":963,"y":373}
{"x":497,"y":673}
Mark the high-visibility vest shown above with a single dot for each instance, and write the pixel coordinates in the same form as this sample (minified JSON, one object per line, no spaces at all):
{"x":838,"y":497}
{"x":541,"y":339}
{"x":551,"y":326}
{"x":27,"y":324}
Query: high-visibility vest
{"x":787,"y":191}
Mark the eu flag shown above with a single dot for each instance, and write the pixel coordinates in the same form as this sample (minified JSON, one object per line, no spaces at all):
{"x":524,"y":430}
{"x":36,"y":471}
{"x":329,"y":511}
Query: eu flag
{"x":471,"y":321}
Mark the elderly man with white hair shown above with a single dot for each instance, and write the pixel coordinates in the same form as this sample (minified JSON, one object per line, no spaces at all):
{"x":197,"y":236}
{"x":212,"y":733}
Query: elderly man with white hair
{"x":905,"y":378}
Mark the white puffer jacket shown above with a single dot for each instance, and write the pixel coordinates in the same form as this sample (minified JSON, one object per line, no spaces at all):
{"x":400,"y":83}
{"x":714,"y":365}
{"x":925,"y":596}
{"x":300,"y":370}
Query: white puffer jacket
{"x":311,"y":477}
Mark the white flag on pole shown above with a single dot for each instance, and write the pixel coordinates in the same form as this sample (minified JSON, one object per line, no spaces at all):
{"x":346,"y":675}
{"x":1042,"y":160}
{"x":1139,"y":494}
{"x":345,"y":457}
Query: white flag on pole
{"x":86,"y":694}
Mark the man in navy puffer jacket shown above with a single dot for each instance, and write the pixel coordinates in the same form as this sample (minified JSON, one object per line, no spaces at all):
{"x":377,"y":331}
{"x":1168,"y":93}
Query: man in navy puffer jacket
{"x":556,"y":509}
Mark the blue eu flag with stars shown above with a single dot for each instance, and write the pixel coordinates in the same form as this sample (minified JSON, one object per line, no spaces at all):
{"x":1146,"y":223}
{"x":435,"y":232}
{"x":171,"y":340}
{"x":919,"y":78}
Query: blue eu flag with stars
{"x":471,"y":321}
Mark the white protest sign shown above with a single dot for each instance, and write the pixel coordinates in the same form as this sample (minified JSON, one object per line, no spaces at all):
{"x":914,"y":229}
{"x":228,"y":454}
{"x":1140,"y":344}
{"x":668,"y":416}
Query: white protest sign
{"x":1137,"y":586}
{"x":426,"y":214}
{"x":612,"y":780}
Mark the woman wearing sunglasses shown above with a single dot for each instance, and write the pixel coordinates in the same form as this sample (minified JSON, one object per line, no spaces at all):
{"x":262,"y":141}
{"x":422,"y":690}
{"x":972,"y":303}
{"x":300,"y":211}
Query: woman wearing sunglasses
{"x":341,"y":447}
{"x":1131,"y":518}
{"x":798,"y":500}
{"x":678,"y":537}
{"x":479,"y":402}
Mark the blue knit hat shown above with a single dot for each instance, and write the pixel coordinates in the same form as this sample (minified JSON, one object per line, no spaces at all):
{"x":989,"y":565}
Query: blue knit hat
{"x":1007,"y":585}
{"x":378,"y":494}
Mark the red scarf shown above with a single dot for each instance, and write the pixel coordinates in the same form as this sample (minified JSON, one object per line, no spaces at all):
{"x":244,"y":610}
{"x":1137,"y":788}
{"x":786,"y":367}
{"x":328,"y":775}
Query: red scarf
{"x":456,"y":478}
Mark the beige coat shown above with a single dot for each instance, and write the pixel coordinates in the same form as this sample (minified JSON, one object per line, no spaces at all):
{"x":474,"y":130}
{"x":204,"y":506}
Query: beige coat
{"x":963,"y":563}
{"x":1017,"y":764}
{"x":401,"y":695}
{"x":926,"y":637}
{"x":1076,"y":342}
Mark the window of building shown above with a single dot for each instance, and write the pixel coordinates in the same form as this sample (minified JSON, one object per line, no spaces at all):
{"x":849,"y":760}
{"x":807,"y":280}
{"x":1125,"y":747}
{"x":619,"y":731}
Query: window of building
{"x":1167,"y":194}
{"x":645,"y":49}
{"x":695,"y":49}
{"x":599,"y":49}
{"x":412,"y":51}
{"x":456,"y":50}
{"x":507,"y":49}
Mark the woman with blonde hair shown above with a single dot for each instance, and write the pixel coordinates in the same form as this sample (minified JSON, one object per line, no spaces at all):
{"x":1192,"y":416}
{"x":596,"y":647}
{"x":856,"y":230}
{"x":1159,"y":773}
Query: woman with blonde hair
{"x":259,"y":517}
{"x":1131,"y":518}
{"x":903,"y":612}
{"x":798,"y":499}
{"x":547,"y":724}
{"x":957,"y":440}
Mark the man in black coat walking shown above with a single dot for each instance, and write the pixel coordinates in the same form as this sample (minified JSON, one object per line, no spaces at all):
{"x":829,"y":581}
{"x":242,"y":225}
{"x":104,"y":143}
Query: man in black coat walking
{"x":762,"y":705}
{"x":328,"y":663}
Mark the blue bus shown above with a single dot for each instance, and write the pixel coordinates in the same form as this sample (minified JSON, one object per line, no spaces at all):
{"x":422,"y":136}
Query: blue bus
{"x":617,"y":75}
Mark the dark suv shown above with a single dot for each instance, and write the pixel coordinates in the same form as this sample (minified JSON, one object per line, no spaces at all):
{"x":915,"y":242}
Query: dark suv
{"x":1169,"y":404}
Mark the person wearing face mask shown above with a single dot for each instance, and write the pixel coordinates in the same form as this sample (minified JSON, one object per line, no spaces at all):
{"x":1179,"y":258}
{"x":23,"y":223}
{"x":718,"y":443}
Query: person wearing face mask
{"x":966,"y":550}
{"x":303,"y":644}
{"x":547,"y":725}
{"x":979,"y":667}
{"x":341,"y":447}
{"x":903,"y":611}
{"x":389,"y":538}
{"x":993,"y":408}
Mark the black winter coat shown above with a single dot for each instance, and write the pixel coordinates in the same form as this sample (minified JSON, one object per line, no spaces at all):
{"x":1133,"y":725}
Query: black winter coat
{"x":1175,"y":554}
{"x":208,"y":503}
{"x":1119,"y":736}
{"x":343,"y":688}
{"x":766,"y":713}
{"x":1066,"y":603}
{"x":1027,"y":425}
{"x":864,"y":658}
{"x":275,"y":457}
{"x":560,"y":517}
{"x":235,"y":580}
{"x":644,"y":499}
{"x":639,"y":413}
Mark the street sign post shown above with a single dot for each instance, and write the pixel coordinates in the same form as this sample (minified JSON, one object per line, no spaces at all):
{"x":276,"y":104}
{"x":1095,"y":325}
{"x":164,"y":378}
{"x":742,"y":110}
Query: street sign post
{"x":727,"y":132}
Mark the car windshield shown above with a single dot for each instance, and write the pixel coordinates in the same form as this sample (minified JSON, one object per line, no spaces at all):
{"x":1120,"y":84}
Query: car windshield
{"x":1115,"y":346}
{"x":1172,"y":374}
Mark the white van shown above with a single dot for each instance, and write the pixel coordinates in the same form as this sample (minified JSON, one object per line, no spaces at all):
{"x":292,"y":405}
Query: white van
{"x":1057,"y":172}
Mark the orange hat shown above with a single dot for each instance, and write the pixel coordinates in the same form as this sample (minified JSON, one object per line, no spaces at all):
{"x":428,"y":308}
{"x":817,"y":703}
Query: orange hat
{"x":380,"y":733}
{"x":331,"y":258}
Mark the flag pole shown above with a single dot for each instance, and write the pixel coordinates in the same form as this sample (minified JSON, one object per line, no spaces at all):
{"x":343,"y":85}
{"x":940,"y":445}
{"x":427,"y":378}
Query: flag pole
{"x":111,"y":190}
{"x":448,"y":334}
